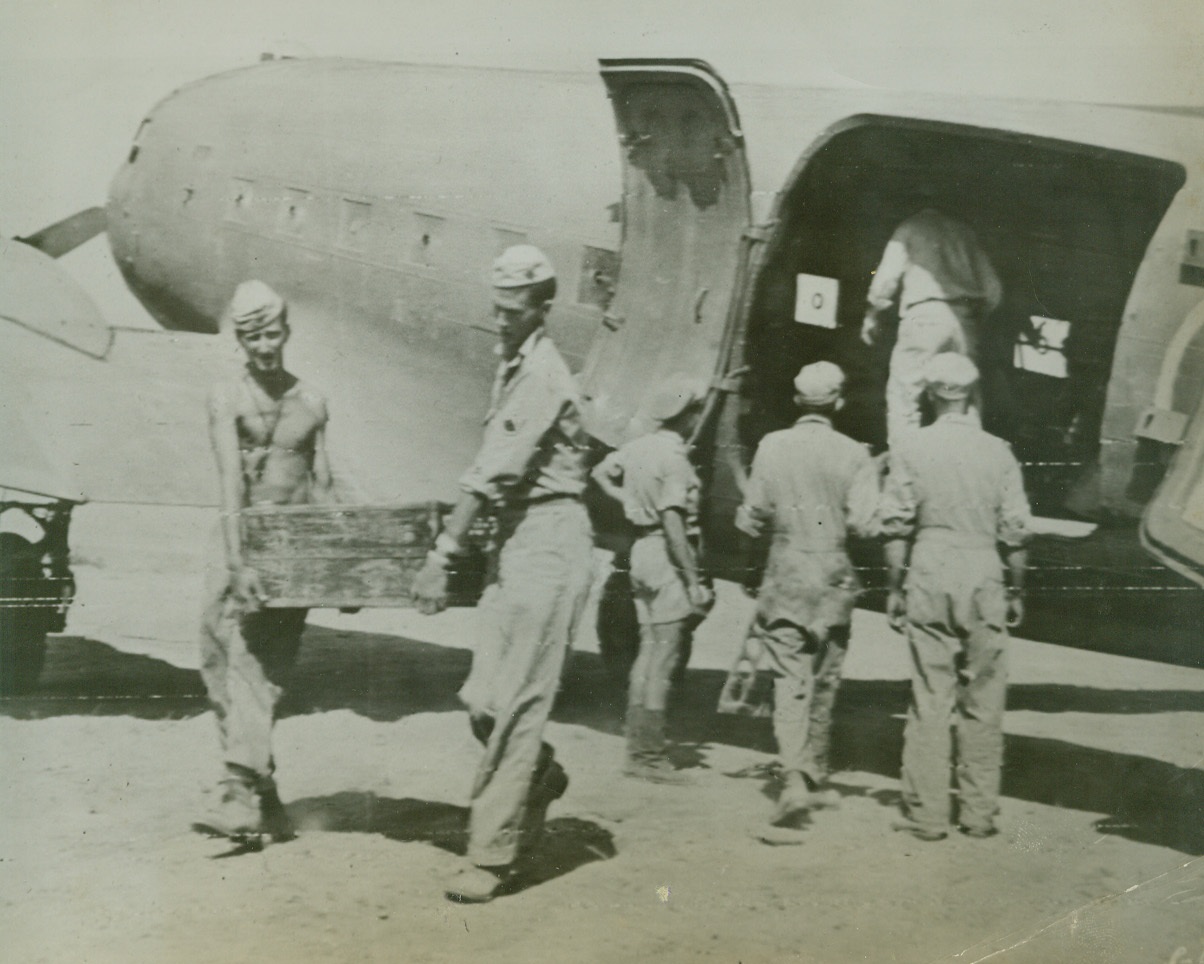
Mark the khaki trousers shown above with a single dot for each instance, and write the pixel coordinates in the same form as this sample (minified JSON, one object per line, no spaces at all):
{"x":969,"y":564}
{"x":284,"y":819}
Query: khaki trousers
{"x":956,"y":612}
{"x":245,"y":659}
{"x":527,"y":618}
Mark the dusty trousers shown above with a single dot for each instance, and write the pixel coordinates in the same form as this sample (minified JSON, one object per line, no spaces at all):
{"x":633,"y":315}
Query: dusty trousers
{"x":806,"y":671}
{"x":245,"y":659}
{"x":956,"y":613}
{"x":925,"y":330}
{"x":527,"y":618}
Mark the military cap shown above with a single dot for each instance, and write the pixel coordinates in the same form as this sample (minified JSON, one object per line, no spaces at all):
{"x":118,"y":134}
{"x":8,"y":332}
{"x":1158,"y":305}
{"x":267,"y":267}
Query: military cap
{"x":950,"y":375}
{"x":819,"y":383}
{"x":254,"y":306}
{"x":677,"y":394}
{"x":521,"y":265}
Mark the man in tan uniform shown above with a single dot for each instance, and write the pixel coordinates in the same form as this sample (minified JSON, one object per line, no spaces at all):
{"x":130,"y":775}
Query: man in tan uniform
{"x":652,"y":478}
{"x":953,"y":501}
{"x":530,"y":471}
{"x":810,"y":486}
{"x":945,"y":287}
{"x":268,"y":430}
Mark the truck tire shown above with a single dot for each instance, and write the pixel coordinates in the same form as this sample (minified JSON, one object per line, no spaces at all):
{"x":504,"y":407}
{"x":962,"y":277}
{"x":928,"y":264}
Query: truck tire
{"x":22,"y":628}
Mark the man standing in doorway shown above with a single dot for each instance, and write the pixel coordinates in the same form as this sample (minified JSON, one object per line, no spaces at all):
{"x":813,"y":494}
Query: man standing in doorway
{"x":945,"y":287}
{"x":652,"y":478}
{"x":268,"y":430}
{"x":530,"y":470}
{"x":812,"y":487}
{"x":954,"y":499}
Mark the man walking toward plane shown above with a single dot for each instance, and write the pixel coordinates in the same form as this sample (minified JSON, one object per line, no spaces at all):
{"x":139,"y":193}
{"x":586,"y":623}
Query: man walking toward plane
{"x":652,"y":478}
{"x":945,"y":287}
{"x":811,"y":487}
{"x":530,"y":470}
{"x":954,"y":498}
{"x":268,"y":430}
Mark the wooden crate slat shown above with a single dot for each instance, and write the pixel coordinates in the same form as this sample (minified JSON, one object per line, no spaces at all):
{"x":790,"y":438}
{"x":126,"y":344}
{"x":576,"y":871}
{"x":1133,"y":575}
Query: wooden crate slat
{"x":352,"y":556}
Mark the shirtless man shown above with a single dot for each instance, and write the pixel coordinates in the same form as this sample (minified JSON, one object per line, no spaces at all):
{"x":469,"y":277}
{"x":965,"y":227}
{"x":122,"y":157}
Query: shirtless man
{"x":268,"y":433}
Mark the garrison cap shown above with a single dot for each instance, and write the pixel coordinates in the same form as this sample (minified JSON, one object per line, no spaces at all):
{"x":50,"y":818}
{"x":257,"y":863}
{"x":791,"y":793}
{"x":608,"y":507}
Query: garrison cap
{"x":950,"y":375}
{"x":254,"y":306}
{"x":677,"y":394}
{"x":819,"y":383}
{"x":521,"y":265}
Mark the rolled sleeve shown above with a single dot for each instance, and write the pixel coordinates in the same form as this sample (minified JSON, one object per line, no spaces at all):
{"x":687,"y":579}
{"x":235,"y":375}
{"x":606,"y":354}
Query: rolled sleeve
{"x":861,"y":505}
{"x":889,"y":275}
{"x":897,"y":506}
{"x":512,"y":439}
{"x":1014,"y":524}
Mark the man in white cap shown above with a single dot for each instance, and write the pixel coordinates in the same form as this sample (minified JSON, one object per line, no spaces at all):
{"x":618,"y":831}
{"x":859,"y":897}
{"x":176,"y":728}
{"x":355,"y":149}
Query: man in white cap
{"x":652,"y":478}
{"x":268,"y":430}
{"x":945,"y":287}
{"x":530,"y":471}
{"x":954,"y":499}
{"x":810,"y":488}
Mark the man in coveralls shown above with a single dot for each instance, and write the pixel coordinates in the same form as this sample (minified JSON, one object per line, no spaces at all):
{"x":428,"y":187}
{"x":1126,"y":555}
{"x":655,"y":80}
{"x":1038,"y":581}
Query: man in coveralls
{"x":810,"y":487}
{"x":946,"y":286}
{"x":954,"y":500}
{"x":268,"y":430}
{"x":530,"y":470}
{"x":652,"y":478}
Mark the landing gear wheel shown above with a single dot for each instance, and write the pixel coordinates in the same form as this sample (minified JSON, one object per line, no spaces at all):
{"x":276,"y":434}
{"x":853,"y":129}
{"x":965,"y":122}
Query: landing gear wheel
{"x":22,"y":628}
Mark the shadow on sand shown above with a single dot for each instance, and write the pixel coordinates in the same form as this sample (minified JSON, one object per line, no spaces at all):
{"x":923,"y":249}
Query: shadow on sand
{"x":567,"y":843}
{"x":387,"y":678}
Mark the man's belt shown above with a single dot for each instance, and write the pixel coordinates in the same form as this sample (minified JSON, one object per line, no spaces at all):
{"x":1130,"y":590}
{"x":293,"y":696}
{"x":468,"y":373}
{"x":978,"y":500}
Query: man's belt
{"x":963,"y":301}
{"x":955,"y":538}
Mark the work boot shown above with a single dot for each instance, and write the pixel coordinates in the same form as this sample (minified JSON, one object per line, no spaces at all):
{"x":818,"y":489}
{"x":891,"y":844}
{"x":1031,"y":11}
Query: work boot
{"x":275,"y":819}
{"x":919,"y":830}
{"x":547,"y":789}
{"x":646,"y":759}
{"x":471,"y":884}
{"x":237,"y":814}
{"x":794,"y":802}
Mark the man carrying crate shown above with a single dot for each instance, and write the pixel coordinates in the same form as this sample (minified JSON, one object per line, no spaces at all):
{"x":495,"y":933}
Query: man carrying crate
{"x":268,"y":431}
{"x":530,"y":471}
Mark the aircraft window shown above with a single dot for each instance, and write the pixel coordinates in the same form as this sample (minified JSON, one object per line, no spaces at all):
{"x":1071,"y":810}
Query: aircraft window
{"x":815,"y":300}
{"x":428,"y":230}
{"x":354,"y":219}
{"x":1047,"y":355}
{"x":294,"y":211}
{"x":242,"y":196}
{"x":599,"y":275}
{"x":1191,"y":271}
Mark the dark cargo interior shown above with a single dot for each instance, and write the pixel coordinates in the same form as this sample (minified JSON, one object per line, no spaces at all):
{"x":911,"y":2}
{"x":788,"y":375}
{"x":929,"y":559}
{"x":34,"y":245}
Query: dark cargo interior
{"x":1065,"y":225}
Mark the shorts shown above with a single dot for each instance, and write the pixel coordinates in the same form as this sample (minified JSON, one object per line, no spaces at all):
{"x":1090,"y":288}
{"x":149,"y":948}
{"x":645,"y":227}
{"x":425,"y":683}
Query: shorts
{"x":657,"y":585}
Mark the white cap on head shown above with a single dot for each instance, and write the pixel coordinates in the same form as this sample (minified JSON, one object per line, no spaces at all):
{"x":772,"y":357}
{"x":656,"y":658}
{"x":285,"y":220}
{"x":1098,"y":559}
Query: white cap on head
{"x":677,"y":394}
{"x":950,"y":375}
{"x":254,"y":306}
{"x":519,"y":266}
{"x":819,"y":383}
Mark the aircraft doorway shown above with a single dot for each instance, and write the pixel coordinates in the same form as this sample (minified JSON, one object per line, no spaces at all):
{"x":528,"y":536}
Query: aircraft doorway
{"x":1065,"y":225}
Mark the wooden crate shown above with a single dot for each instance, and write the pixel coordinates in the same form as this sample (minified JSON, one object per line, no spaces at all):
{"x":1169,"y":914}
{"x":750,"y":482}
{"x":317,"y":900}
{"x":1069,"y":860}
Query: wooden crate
{"x":337,"y":556}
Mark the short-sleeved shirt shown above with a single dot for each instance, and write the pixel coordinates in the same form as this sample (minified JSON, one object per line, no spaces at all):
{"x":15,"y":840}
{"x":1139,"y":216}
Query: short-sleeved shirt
{"x":933,"y":257}
{"x":814,"y":486}
{"x":534,"y":446}
{"x":959,"y":481}
{"x":655,"y":475}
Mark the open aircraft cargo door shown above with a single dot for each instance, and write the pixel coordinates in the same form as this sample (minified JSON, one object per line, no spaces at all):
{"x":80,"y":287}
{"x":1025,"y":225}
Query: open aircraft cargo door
{"x":1173,"y":525}
{"x":685,"y":209}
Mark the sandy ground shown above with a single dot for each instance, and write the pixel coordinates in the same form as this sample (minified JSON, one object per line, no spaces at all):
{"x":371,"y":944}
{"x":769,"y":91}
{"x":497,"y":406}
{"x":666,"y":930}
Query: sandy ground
{"x":1103,"y":810}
